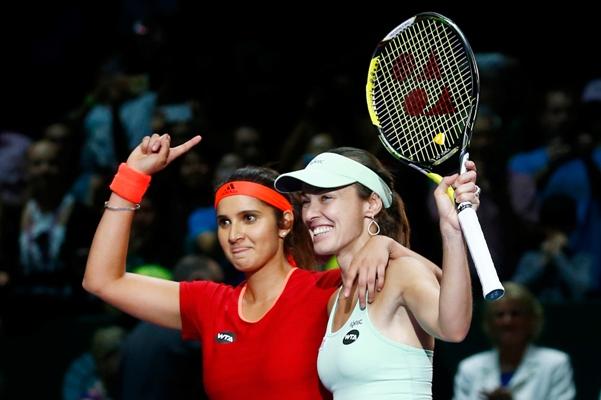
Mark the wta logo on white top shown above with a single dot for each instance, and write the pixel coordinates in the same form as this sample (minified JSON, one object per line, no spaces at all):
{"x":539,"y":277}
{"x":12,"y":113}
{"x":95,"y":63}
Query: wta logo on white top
{"x":351,"y":337}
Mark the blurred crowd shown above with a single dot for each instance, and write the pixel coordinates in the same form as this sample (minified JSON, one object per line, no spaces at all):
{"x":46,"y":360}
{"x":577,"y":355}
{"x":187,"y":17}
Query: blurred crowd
{"x":537,"y":145}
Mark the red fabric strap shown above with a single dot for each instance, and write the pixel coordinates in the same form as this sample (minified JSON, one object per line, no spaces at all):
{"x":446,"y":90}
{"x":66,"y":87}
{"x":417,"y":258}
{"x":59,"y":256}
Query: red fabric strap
{"x":256,"y":190}
{"x":130,"y":184}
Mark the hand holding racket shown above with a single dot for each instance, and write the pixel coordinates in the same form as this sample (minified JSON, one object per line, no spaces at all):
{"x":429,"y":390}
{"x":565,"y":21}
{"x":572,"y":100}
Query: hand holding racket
{"x":422,"y":95}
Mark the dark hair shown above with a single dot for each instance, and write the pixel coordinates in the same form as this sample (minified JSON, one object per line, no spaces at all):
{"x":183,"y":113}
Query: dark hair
{"x":393,"y":221}
{"x":298,"y":242}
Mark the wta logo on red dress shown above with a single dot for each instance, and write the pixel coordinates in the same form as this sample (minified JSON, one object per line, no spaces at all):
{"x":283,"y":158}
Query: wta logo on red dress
{"x":225,"y":337}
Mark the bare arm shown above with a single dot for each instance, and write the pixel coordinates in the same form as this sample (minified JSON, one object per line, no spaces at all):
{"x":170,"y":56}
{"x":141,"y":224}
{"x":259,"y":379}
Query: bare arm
{"x":368,"y":267}
{"x":444,"y":309}
{"x":150,"y":299}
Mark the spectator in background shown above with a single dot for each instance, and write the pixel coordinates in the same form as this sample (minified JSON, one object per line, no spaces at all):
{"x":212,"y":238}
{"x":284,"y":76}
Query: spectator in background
{"x":13,"y":192}
{"x":13,"y":158}
{"x":567,"y":163}
{"x":226,"y":166}
{"x":503,"y":90}
{"x":54,"y":234}
{"x":248,"y":144}
{"x":589,"y":145}
{"x":554,"y":271}
{"x":515,"y":369}
{"x":318,"y":143}
{"x":121,"y":111}
{"x":191,"y":213}
{"x":95,"y":374}
{"x":530,"y":172}
{"x":69,"y":138}
{"x":147,"y":244}
{"x":156,"y":362}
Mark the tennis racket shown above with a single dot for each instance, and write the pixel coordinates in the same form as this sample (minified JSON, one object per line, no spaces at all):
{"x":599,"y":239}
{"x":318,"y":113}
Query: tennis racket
{"x":422,"y":95}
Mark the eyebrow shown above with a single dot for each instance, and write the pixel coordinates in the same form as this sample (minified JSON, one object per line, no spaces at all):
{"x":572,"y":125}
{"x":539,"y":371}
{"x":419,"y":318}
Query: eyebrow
{"x":240,"y":213}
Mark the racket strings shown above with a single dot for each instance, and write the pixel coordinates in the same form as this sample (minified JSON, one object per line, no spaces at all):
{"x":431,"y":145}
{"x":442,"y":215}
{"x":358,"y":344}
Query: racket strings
{"x":419,"y":47}
{"x":425,"y":61}
{"x":460,"y":81}
{"x":427,"y":55}
{"x":452,"y":123}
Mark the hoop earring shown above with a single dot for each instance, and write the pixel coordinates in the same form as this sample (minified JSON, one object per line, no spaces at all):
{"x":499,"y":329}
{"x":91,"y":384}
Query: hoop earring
{"x":371,"y":223}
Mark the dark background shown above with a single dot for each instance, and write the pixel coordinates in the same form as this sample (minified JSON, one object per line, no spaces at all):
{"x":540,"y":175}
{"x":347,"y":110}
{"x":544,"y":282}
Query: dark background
{"x":50,"y":51}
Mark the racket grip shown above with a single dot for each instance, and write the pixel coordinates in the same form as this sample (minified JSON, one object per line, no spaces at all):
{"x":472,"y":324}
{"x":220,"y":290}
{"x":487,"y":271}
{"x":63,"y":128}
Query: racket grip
{"x":472,"y":232}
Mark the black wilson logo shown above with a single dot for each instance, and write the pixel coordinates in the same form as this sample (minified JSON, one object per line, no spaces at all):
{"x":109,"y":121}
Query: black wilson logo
{"x":225,"y":337}
{"x":350,"y":337}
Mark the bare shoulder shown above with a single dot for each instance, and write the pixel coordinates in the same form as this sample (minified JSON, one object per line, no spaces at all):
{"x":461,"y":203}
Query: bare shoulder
{"x":407,"y":275}
{"x":408,"y":267}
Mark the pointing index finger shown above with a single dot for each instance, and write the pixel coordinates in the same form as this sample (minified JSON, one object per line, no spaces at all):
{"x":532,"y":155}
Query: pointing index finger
{"x":184,"y":147}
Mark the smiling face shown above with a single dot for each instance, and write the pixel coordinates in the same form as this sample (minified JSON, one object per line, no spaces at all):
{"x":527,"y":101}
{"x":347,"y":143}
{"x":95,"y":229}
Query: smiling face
{"x":248,"y":232}
{"x":336,"y":220}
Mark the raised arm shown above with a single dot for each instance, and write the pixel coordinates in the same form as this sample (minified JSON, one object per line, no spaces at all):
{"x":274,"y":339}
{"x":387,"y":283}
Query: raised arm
{"x":369,"y":266}
{"x":150,"y":299}
{"x":445,"y":309}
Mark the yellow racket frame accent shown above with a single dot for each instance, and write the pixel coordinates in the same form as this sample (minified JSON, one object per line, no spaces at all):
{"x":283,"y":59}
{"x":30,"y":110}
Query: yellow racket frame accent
{"x":437,"y":179}
{"x":369,"y":89}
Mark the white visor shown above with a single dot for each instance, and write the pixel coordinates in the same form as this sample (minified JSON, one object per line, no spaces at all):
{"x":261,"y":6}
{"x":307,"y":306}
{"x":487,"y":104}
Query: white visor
{"x":331,"y":170}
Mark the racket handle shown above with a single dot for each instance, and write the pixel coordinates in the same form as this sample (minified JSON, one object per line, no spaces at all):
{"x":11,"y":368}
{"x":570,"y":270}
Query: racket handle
{"x":472,"y":232}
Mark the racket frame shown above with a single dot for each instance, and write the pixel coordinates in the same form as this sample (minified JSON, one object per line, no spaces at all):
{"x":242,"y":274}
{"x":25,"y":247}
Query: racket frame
{"x":491,"y":285}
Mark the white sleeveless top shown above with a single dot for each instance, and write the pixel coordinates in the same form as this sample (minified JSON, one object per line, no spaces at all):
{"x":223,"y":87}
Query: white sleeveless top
{"x":358,"y":362}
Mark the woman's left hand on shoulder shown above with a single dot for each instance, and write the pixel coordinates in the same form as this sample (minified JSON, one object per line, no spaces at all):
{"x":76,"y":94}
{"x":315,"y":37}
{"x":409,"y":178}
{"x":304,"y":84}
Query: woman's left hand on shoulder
{"x":368,"y":267}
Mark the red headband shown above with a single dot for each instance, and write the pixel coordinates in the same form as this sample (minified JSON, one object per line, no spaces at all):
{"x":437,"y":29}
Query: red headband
{"x":255,"y":190}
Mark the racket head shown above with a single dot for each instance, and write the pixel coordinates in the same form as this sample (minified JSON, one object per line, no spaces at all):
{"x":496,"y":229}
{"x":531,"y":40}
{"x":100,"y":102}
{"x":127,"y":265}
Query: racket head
{"x":423,"y":89}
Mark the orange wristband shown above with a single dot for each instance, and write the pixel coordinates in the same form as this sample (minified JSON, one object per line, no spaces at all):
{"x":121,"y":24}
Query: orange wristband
{"x":130,"y":184}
